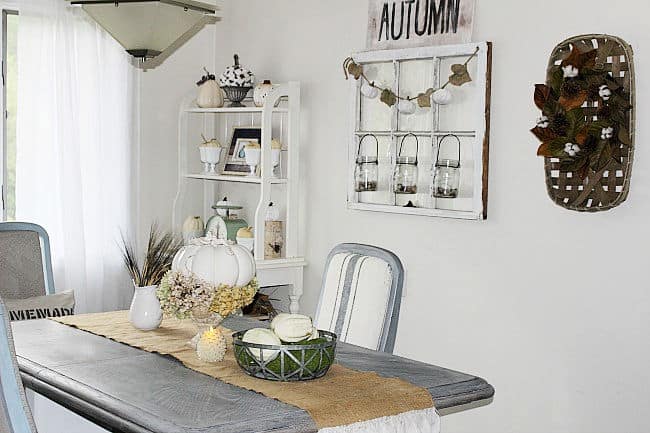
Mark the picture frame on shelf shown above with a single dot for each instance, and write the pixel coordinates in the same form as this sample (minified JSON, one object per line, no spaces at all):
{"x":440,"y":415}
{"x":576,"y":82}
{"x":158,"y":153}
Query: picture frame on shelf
{"x":236,"y":161}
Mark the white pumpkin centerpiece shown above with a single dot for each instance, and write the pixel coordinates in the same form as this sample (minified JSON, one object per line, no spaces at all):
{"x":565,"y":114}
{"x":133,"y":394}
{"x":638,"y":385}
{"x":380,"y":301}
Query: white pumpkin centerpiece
{"x":216,"y":261}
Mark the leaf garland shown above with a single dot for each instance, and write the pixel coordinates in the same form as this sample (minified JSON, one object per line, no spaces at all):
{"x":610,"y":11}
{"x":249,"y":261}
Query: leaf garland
{"x":570,"y":131}
{"x":424,"y":99}
{"x":459,"y":76}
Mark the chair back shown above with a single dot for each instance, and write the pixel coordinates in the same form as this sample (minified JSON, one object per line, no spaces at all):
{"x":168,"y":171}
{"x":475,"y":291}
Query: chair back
{"x":361,"y":295}
{"x":15,"y":416}
{"x":25,"y":261}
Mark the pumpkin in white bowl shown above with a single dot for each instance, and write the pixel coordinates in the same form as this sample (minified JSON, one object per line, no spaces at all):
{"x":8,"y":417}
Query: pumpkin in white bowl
{"x":216,"y":261}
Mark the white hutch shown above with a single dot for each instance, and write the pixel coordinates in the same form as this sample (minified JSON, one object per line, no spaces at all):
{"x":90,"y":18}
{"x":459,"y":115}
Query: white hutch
{"x":197,"y":192}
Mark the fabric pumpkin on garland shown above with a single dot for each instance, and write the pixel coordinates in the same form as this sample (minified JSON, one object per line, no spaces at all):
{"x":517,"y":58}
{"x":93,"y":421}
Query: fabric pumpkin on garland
{"x":584,"y":114}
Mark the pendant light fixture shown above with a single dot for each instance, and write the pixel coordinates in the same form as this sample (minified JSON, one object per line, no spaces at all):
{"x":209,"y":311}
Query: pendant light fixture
{"x":150,"y":30}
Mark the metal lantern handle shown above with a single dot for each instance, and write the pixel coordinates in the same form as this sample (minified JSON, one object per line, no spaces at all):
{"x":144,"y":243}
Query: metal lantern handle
{"x":417,"y":146}
{"x":440,"y":145}
{"x":376,"y":144}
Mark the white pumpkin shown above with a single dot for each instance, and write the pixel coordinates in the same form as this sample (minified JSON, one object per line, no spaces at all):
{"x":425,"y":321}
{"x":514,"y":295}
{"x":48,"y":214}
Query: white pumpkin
{"x":441,"y":97}
{"x":192,"y":228}
{"x":262,"y":336}
{"x":368,"y":91}
{"x":292,"y":328}
{"x":210,"y":95}
{"x":216,"y":261}
{"x":261,"y":91}
{"x":406,"y":107}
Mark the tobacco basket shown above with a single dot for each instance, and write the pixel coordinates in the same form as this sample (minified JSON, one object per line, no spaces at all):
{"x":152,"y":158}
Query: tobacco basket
{"x":609,"y":187}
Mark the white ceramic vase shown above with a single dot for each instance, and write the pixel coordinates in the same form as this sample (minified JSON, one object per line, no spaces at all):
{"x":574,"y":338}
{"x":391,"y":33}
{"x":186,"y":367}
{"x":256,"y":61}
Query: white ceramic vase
{"x":253,"y":159}
{"x":246,"y":243}
{"x":145,"y":312}
{"x":210,"y":157}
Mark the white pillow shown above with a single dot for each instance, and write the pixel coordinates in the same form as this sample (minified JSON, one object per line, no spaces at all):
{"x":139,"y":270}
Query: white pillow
{"x":41,"y":307}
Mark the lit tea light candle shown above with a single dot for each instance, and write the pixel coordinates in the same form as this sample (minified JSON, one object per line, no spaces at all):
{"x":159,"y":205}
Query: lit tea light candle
{"x":211,"y":346}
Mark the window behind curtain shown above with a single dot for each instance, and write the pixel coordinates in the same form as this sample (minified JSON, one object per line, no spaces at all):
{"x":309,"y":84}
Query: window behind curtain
{"x":9,"y":91}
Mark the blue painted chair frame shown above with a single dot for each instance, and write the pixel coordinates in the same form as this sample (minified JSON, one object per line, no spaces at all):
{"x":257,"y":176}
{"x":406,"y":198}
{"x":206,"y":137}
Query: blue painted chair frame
{"x":12,"y":394}
{"x":46,"y":257}
{"x":391,"y":318}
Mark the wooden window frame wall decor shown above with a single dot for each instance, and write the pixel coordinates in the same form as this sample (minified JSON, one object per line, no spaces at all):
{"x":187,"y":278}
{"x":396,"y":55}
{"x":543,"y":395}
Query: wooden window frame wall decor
{"x":474,"y":205}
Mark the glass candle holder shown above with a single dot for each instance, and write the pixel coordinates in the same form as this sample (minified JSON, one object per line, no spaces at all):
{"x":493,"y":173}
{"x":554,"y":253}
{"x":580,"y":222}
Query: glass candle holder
{"x":405,"y":176}
{"x":366,"y":174}
{"x":446,"y":173}
{"x":446,"y":178}
{"x":366,"y":170}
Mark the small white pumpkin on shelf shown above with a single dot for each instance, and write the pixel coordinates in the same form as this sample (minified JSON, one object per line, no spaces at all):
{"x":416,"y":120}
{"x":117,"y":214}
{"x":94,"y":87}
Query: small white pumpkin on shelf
{"x":261,"y":91}
{"x":192,"y":228}
{"x":210,"y":94}
{"x":211,"y":346}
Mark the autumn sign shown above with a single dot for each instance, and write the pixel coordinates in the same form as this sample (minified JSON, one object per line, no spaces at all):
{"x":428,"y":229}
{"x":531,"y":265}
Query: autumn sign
{"x":416,"y":23}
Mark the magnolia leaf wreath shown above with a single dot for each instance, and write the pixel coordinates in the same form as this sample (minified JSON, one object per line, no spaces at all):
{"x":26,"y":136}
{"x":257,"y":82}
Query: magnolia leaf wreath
{"x":459,"y":76}
{"x":581,"y":137}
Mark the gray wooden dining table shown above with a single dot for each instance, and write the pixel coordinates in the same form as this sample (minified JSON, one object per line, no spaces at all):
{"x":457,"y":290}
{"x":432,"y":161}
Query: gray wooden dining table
{"x":127,"y":390}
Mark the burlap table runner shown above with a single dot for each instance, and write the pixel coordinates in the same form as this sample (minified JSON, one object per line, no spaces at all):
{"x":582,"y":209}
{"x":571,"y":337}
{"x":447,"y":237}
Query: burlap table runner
{"x":344,"y":396}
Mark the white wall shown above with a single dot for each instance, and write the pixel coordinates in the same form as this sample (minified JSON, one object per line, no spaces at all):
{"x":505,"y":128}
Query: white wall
{"x":550,"y":306}
{"x":162,"y":90}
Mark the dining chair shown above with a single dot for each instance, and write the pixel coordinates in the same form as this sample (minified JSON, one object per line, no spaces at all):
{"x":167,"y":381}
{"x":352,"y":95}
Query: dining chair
{"x":25,"y":261}
{"x":15,"y":415}
{"x":360,"y":296}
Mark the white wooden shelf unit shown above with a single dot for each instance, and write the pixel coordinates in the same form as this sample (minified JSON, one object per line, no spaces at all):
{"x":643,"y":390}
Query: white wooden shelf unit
{"x":197,"y":192}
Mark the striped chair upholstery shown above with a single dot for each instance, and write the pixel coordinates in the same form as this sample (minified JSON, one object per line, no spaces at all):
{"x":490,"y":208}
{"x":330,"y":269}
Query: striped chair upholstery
{"x":15,"y":416}
{"x":25,"y":263}
{"x":360,"y":296}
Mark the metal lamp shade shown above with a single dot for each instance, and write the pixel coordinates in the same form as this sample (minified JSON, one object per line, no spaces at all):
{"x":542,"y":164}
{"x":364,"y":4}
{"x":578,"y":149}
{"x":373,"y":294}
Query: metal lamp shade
{"x":150,"y":29}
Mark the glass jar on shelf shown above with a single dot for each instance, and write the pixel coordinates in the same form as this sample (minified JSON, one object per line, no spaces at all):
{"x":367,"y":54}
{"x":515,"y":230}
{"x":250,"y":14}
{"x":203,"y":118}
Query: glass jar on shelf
{"x":366,"y":171}
{"x":446,"y":174}
{"x":405,"y":176}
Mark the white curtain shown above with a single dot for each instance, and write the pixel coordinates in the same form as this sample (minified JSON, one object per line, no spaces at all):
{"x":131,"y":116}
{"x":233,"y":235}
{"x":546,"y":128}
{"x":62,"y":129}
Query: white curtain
{"x":77,"y":147}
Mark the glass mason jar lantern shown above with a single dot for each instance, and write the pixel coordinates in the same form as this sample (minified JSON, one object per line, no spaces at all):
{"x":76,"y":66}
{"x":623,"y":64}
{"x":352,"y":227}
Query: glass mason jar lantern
{"x":366,"y":171}
{"x":446,"y":175}
{"x":405,"y":176}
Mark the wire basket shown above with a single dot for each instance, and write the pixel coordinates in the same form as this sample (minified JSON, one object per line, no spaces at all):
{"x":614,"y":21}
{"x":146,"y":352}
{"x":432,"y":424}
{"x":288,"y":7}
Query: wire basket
{"x":608,"y":187}
{"x":287,"y":362}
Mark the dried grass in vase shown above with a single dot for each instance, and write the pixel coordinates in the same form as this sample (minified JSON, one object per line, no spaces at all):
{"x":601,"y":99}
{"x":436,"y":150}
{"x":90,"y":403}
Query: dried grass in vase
{"x":161,"y":248}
